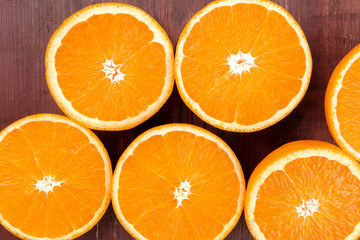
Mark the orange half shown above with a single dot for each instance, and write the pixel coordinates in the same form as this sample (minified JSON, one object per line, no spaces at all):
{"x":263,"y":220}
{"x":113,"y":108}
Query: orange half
{"x":179,"y":182}
{"x":242,"y":65}
{"x":55,"y":178}
{"x":110,"y":66}
{"x":305,"y":190}
{"x":342,"y":103}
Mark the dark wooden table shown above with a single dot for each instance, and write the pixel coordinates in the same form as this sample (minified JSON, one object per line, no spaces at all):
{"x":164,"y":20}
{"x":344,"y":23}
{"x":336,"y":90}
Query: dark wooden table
{"x":332,"y":28}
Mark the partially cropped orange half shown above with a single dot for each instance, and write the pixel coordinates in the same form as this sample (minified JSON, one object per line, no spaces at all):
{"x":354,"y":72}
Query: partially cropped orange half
{"x":305,"y":190}
{"x":110,"y":66}
{"x":55,"y":178}
{"x":242,"y":65}
{"x":342,"y":103}
{"x":180,"y":182}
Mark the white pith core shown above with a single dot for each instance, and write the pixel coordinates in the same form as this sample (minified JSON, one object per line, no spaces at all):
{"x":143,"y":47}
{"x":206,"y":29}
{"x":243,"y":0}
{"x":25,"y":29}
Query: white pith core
{"x":308,"y":208}
{"x":182,"y":192}
{"x":112,"y":71}
{"x":241,"y":62}
{"x":47,"y":184}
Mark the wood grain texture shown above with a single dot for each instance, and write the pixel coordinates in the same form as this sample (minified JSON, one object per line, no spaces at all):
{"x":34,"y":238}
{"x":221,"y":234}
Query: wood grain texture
{"x":332,"y":28}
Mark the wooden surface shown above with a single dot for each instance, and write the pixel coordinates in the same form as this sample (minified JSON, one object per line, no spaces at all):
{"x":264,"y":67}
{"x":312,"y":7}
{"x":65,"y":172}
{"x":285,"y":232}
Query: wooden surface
{"x":332,"y":28}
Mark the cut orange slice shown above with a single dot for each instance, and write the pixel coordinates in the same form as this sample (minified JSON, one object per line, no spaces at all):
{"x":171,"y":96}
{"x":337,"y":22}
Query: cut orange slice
{"x":342,"y":105}
{"x":305,"y":190}
{"x":179,"y":182}
{"x":55,"y":178}
{"x":110,"y":66}
{"x":242,"y":65}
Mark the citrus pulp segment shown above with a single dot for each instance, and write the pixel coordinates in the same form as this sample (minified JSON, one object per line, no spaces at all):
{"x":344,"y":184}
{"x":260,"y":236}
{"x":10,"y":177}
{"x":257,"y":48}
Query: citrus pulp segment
{"x":110,"y":66}
{"x":342,"y":103}
{"x":179,"y":181}
{"x":242,"y":65}
{"x":305,"y":190}
{"x":55,"y":179}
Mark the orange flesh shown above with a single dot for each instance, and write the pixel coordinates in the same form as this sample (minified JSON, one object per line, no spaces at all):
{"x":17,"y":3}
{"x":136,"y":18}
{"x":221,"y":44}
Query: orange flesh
{"x":328,"y":181}
{"x":158,"y":165}
{"x":252,"y":97}
{"x":128,"y":42}
{"x":44,"y":148}
{"x":348,"y":105}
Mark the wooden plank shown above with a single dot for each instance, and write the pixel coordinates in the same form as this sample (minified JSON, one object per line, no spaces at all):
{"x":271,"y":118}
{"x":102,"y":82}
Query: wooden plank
{"x":331,"y":27}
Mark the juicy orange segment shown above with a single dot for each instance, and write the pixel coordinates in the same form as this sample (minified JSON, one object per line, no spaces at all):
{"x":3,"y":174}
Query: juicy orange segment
{"x":55,"y":178}
{"x":171,"y":182}
{"x":109,"y":66}
{"x":342,"y":103}
{"x":305,"y":190}
{"x":242,"y":65}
